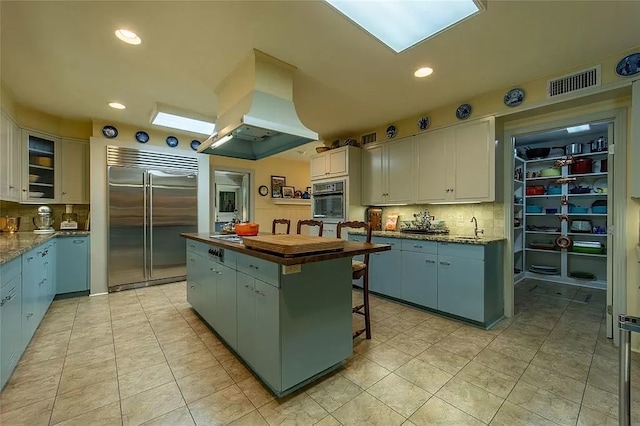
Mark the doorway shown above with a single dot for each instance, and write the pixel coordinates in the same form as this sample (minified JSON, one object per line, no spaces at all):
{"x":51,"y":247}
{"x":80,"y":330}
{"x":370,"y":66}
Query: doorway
{"x":231,"y":197}
{"x":562,"y":208}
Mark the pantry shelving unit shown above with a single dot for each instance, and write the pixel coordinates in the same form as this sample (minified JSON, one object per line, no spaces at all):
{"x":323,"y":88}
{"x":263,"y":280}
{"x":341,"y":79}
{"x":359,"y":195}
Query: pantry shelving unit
{"x":548,"y":225}
{"x":518,"y":214}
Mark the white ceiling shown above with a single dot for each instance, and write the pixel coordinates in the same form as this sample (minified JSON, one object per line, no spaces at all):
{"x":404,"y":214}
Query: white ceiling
{"x":62,"y":57}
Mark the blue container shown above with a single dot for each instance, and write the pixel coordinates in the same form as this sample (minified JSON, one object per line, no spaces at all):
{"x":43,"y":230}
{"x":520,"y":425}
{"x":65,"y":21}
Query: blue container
{"x":551,"y":211}
{"x":599,"y":210}
{"x":532,"y":208}
{"x":576,"y":209}
{"x":554,"y":190}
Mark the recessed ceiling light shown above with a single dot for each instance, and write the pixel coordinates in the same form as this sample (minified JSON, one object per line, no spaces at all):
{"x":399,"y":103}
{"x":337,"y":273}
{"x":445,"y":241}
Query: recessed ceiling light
{"x":577,"y":129}
{"x":423,"y":72}
{"x":116,"y":105}
{"x":128,"y":36}
{"x":401,"y":24}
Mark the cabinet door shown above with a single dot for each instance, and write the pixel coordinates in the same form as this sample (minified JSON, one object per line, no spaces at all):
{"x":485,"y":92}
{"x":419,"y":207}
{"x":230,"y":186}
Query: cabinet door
{"x":337,"y":164}
{"x":5,"y":156}
{"x":42,"y":158}
{"x":209,"y":290}
{"x":318,"y":166}
{"x":372,"y":170}
{"x":10,"y":330}
{"x":420,"y":278}
{"x":72,"y":264}
{"x":75,"y":182}
{"x":32,"y":267}
{"x":475,"y":162}
{"x":461,"y":287}
{"x":246,"y":317}
{"x":226,"y":304}
{"x":432,"y":166}
{"x":385,"y":270}
{"x":267,"y":333}
{"x":15,"y":177}
{"x":194,"y":289}
{"x":400,"y":171}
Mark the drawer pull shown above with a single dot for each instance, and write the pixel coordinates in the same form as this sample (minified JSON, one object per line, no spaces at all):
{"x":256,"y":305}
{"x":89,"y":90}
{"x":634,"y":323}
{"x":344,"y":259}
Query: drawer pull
{"x":29,"y":315}
{"x":260,"y":292}
{"x":213,"y":270}
{"x":445,"y":263}
{"x":430,"y":261}
{"x":193,"y":286}
{"x":78,"y":241}
{"x":417,"y":246}
{"x":192,"y":260}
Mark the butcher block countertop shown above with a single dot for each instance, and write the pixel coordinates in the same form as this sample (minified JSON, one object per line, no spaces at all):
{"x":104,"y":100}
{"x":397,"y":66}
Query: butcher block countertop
{"x":443,"y":238}
{"x":350,"y":249}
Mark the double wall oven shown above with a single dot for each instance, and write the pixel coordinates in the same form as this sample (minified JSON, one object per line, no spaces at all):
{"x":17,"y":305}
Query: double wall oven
{"x":329,"y":201}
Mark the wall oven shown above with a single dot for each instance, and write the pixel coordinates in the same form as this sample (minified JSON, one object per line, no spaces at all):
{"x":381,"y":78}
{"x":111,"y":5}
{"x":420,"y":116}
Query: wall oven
{"x":329,"y":201}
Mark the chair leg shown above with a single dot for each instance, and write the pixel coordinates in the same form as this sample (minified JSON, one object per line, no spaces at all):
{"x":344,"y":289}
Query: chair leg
{"x":365,"y":295}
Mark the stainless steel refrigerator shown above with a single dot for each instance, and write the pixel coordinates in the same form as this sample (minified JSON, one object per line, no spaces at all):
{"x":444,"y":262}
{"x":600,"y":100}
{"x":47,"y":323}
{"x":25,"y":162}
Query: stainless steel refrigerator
{"x":148,"y":209}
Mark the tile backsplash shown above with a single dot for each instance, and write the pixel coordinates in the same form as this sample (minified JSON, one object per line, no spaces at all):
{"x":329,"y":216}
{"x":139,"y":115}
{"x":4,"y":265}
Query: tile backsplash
{"x":457,"y":217}
{"x":26,"y":212}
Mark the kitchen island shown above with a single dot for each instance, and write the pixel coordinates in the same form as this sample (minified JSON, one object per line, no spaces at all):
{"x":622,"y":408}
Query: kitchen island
{"x":288,"y":318}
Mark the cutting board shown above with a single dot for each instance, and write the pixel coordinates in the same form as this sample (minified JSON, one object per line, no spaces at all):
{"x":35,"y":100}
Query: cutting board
{"x":293,"y":245}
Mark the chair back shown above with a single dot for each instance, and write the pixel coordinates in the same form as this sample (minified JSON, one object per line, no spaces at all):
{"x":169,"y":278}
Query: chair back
{"x":310,"y":222}
{"x":280,"y":221}
{"x":357,"y":225}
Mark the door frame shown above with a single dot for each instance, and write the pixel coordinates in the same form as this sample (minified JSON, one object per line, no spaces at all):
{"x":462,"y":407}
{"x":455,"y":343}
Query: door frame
{"x":213,"y":193}
{"x":608,"y":111}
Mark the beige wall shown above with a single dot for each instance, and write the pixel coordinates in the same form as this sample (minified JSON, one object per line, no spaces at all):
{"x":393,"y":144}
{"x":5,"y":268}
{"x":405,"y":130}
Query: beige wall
{"x":26,"y":213}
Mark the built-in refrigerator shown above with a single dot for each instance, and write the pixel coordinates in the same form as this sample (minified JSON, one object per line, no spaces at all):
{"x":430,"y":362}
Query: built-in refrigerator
{"x":151,"y":201}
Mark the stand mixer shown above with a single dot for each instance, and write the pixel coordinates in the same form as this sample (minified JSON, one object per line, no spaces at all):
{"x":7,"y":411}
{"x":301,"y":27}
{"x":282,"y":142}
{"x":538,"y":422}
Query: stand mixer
{"x":43,"y":221}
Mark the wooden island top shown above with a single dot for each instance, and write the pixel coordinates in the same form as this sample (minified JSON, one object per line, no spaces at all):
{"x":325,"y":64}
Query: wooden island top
{"x":350,"y":248}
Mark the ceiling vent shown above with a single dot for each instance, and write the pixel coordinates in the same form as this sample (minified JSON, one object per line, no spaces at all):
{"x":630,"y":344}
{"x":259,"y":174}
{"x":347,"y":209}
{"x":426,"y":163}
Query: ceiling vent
{"x":370,"y":138}
{"x":575,"y":82}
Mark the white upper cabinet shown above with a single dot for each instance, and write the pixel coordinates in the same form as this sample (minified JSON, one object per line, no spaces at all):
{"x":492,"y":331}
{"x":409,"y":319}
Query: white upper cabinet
{"x":457,"y":163}
{"x":10,"y":159}
{"x":334,"y":163}
{"x":388,"y":175}
{"x":74,"y":177}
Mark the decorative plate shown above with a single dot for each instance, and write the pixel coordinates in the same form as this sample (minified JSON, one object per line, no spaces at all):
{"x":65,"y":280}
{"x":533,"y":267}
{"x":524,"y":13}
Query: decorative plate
{"x":263,"y":190}
{"x":195,"y":144}
{"x":391,"y":131}
{"x":109,"y":132}
{"x":514,"y":97}
{"x":423,"y":122}
{"x":172,"y":141}
{"x":629,"y":65}
{"x":142,"y":137}
{"x":463,"y":112}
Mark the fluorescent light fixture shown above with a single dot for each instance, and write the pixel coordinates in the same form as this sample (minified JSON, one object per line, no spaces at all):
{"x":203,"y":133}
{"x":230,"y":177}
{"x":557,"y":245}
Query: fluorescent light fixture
{"x":181,"y":122}
{"x":221,"y":141}
{"x":458,"y":202}
{"x":423,"y":72}
{"x":401,"y":24}
{"x":128,"y":37}
{"x":577,"y":129}
{"x":116,"y":105}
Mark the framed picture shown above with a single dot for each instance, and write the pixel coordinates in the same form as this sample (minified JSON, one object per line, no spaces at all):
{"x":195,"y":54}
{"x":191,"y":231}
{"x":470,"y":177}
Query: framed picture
{"x":288,"y":191}
{"x":277,"y":182}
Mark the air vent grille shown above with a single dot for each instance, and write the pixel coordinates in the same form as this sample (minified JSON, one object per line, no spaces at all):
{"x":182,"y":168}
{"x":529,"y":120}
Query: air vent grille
{"x":128,"y":157}
{"x":369,"y":138}
{"x":574,"y":82}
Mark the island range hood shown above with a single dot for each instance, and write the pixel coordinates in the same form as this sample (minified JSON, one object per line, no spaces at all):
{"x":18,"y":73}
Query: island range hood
{"x":257,"y":117}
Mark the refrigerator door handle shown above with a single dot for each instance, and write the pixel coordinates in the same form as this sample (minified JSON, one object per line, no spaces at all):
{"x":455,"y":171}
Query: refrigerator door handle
{"x":150,"y":264}
{"x":144,"y":227}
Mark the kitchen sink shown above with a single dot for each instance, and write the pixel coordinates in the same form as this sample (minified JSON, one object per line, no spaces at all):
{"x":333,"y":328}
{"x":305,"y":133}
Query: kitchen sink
{"x":230,"y":238}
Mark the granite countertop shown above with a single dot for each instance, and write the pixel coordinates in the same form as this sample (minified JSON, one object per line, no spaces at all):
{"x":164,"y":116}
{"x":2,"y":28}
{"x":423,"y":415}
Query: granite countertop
{"x":13,"y":245}
{"x":462,"y":239}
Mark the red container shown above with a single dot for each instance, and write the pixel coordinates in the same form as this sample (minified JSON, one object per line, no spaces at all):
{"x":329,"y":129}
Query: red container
{"x":535,"y":190}
{"x":582,"y":166}
{"x":247,"y":229}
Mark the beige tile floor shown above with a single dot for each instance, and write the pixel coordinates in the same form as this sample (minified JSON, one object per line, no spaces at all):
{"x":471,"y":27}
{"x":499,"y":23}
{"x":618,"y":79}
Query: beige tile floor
{"x":144,"y":357}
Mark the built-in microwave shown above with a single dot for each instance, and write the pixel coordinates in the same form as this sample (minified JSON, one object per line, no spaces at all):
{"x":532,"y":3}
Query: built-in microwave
{"x":329,"y":201}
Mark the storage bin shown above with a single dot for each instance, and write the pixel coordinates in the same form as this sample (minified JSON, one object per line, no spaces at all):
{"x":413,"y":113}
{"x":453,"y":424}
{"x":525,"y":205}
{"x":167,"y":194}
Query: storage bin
{"x":554,"y":190}
{"x":577,"y":209}
{"x":599,"y":209}
{"x":532,"y":208}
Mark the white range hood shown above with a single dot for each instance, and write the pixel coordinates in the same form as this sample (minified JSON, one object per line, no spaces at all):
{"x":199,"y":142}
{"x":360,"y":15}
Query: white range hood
{"x":257,"y":117}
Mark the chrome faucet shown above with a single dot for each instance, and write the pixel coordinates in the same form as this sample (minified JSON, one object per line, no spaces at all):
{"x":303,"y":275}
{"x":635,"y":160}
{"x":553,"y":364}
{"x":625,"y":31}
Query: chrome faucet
{"x":476,"y":231}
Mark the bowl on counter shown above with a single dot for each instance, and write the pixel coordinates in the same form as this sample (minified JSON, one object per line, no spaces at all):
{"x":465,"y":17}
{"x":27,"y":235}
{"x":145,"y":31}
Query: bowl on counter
{"x":247,"y":229}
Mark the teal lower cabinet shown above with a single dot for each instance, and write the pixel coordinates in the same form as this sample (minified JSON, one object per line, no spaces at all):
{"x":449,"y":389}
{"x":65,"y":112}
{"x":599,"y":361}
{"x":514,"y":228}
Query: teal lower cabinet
{"x":288,"y":326}
{"x":461,"y":287}
{"x":420,"y":278}
{"x":385,"y":269}
{"x":33,"y":278}
{"x":11,"y":344}
{"x":72,"y":264}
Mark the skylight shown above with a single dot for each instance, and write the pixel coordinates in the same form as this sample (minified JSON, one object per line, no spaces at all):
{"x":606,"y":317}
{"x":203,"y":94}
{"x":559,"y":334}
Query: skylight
{"x":401,"y":24}
{"x":183,"y":123}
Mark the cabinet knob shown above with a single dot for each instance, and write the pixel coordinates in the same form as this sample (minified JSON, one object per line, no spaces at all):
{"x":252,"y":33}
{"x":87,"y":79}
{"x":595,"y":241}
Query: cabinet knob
{"x":64,"y":193}
{"x":24,"y":190}
{"x":447,"y":189}
{"x":11,"y":187}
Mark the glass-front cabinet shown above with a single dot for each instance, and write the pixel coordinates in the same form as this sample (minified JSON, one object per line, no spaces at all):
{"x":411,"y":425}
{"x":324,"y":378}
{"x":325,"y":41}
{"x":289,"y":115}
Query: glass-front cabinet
{"x":40,"y":177}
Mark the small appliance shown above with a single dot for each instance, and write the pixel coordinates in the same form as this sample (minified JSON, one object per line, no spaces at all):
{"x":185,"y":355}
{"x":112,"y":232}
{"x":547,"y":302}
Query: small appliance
{"x":69,"y":219}
{"x":43,"y":222}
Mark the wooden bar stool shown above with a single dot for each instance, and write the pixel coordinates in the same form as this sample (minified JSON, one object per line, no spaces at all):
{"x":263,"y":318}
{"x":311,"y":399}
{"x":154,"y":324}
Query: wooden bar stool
{"x":317,"y":223}
{"x":280,"y":221}
{"x":360,"y":270}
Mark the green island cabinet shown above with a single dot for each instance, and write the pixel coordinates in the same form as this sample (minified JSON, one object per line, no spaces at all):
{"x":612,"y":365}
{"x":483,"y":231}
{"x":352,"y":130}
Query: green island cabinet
{"x":288,"y":327}
{"x":72,"y":264}
{"x":29,"y":284}
{"x":461,"y":280}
